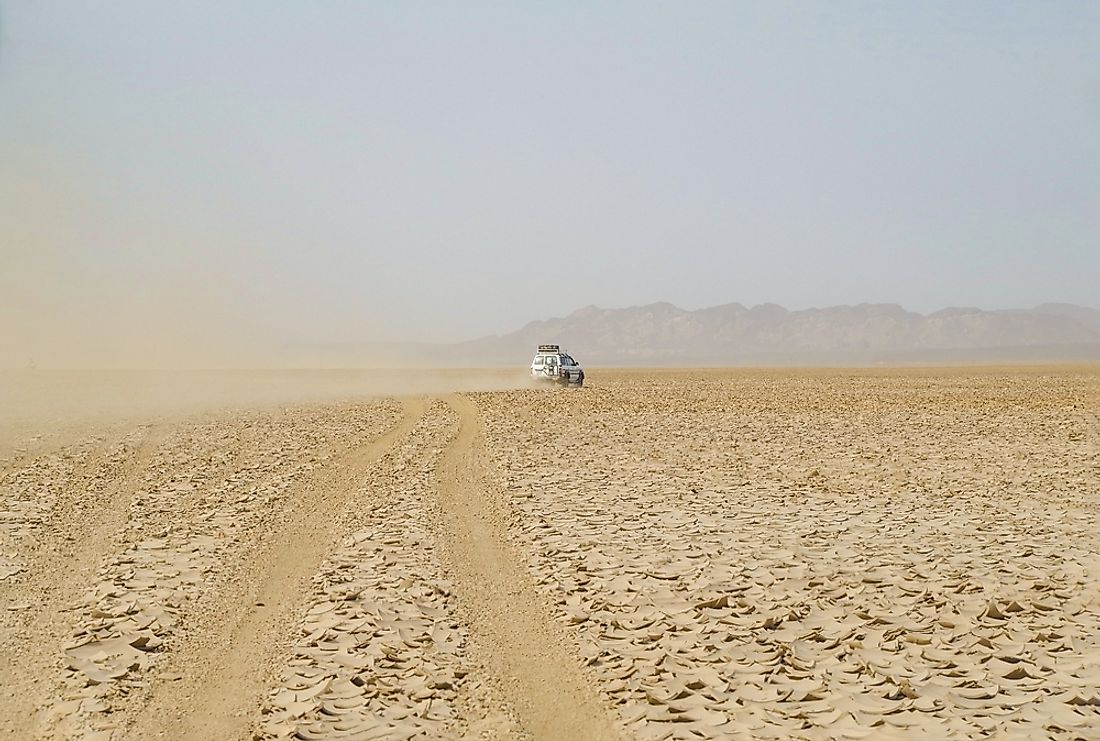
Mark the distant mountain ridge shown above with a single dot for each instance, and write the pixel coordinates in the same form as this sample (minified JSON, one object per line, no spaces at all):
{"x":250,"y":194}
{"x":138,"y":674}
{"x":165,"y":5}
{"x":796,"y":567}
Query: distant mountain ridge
{"x":664,"y":334}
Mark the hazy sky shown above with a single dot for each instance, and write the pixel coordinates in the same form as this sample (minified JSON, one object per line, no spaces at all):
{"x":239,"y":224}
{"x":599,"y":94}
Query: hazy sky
{"x":199,"y":172}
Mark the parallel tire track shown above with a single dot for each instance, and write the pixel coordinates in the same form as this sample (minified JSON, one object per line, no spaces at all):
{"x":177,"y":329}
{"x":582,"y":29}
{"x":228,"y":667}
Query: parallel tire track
{"x":214,"y":691}
{"x":379,"y":653}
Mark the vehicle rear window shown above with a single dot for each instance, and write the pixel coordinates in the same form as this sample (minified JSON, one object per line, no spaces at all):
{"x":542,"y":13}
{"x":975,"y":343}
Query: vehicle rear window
{"x":538,"y":360}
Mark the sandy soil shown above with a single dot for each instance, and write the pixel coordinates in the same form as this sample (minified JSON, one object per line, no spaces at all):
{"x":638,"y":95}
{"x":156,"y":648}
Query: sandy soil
{"x":668,"y":554}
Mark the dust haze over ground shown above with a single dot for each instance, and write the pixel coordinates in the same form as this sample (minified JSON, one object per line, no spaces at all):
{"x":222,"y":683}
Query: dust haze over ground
{"x":37,"y":406}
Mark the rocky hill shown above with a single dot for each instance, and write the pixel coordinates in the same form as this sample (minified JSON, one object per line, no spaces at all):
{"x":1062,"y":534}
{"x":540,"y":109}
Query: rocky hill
{"x":663,"y":334}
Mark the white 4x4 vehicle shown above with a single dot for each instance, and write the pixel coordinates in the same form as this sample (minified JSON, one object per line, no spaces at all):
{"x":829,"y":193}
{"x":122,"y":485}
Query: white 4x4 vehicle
{"x":551,"y":364}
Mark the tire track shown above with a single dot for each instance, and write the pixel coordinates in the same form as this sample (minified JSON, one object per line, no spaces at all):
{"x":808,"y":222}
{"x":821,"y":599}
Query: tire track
{"x":216,"y":690}
{"x":527,"y":658}
{"x":80,"y":532}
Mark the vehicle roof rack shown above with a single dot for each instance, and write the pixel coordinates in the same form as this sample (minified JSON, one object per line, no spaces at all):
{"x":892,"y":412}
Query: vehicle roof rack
{"x":549,"y":348}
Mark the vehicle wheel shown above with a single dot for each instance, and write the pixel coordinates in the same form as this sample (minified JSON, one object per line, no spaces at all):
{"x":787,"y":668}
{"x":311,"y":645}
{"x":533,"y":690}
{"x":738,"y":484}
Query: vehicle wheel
{"x":580,"y":380}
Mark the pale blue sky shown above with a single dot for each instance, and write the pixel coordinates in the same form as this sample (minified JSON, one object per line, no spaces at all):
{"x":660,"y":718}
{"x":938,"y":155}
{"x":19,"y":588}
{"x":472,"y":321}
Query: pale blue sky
{"x":348,"y":171}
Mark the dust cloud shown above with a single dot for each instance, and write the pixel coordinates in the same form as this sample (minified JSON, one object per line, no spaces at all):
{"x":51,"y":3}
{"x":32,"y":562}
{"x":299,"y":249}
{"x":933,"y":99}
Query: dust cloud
{"x":45,"y":407}
{"x":81,"y":347}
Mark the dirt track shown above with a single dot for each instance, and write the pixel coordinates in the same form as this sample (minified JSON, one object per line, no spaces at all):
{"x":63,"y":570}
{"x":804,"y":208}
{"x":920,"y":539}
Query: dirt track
{"x":672,"y":554}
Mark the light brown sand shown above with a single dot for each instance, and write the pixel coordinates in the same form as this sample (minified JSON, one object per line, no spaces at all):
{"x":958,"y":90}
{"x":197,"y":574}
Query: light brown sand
{"x":671,"y":554}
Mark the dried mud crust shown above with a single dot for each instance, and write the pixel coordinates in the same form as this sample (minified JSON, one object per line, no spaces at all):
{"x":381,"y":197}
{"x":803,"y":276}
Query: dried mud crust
{"x":819,"y":555}
{"x":207,"y":492}
{"x":32,"y":491}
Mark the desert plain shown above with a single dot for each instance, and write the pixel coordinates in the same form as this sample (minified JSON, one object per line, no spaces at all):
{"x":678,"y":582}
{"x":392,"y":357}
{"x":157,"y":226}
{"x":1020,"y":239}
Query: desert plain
{"x":813,"y":554}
